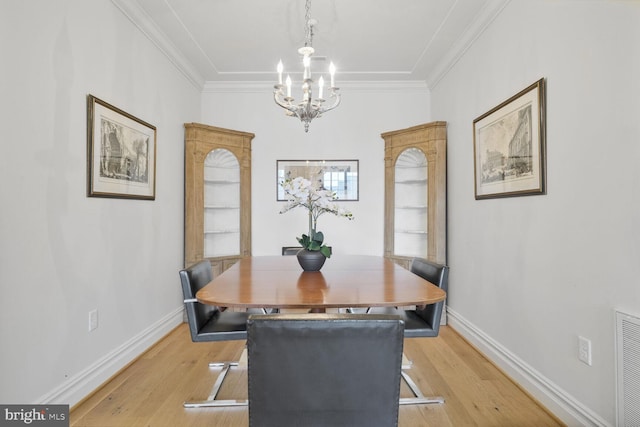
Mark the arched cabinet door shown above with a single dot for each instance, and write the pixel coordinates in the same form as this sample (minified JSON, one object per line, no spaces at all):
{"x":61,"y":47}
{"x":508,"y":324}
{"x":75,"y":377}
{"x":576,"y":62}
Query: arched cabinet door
{"x":217,"y":195}
{"x":415,"y":193}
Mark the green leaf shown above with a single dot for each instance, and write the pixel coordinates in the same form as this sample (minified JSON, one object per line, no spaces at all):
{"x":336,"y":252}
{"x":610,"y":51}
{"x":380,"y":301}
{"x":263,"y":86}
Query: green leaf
{"x":304,"y":241}
{"x":314,"y":246}
{"x":326,"y":251}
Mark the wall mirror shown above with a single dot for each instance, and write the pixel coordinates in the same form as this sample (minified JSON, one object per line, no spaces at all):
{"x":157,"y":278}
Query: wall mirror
{"x":339,"y":176}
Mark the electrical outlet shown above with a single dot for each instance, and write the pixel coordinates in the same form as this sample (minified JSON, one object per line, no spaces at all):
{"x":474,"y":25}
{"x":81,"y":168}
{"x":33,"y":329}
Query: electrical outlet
{"x":93,"y":319}
{"x":584,"y":350}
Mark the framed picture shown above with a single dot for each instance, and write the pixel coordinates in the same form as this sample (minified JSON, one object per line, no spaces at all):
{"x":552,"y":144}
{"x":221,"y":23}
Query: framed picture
{"x":509,"y":146}
{"x":339,"y":176}
{"x":121,"y":153}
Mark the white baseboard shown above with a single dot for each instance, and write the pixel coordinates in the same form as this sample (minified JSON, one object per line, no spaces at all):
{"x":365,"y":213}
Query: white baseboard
{"x":556,"y":400}
{"x":85,"y":382}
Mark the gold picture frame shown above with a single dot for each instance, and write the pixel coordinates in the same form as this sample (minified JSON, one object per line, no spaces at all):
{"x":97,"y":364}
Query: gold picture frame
{"x":121,"y":153}
{"x":509,"y":146}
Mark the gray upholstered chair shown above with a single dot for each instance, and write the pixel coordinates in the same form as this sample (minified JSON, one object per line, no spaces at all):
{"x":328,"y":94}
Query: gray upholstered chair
{"x":324,"y":369}
{"x":293,"y":250}
{"x":208,"y":323}
{"x":423,"y":321}
{"x":290,"y":250}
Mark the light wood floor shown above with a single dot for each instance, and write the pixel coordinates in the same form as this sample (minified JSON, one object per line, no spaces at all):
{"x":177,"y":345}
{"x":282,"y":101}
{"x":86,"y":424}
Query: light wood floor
{"x":150,"y":392}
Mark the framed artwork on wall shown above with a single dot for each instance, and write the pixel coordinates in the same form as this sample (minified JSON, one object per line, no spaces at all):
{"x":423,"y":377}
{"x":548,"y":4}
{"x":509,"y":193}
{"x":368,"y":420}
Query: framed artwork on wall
{"x":509,"y":146}
{"x":121,"y":153}
{"x":339,"y":176}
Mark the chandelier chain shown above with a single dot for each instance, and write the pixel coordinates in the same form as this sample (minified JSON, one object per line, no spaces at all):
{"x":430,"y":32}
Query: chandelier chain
{"x":308,"y":28}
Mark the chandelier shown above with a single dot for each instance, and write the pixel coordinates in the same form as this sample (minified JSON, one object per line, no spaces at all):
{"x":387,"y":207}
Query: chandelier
{"x":309,"y":108}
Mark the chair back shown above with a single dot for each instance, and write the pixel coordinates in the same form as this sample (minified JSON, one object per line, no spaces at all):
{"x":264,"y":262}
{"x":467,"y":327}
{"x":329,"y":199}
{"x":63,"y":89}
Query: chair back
{"x":324,"y":369}
{"x":437,"y":274}
{"x":291,"y":250}
{"x":207,"y":322}
{"x":193,"y":279}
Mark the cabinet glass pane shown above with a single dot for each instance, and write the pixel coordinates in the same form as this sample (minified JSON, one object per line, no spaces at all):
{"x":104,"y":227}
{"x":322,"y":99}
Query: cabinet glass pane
{"x":221,"y":204}
{"x":410,"y":216}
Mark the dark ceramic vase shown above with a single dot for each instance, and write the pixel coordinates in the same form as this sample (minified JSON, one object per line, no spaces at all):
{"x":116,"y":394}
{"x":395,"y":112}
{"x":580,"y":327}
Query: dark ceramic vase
{"x":311,"y":260}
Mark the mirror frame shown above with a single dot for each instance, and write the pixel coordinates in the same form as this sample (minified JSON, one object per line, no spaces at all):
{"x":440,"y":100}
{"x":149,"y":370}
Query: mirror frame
{"x":310,"y":169}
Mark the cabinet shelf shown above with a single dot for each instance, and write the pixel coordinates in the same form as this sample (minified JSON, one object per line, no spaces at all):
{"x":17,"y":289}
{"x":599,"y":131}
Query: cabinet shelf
{"x":222,"y":207}
{"x":413,"y":166}
{"x":221,"y":231}
{"x":412,"y":181}
{"x":220,"y":181}
{"x":410,"y":232}
{"x":424,"y":207}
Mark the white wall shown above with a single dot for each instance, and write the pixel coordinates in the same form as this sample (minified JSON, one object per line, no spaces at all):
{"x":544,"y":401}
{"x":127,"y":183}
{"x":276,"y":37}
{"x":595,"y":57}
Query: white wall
{"x":530,"y":274}
{"x":352,"y":131}
{"x":63,"y":254}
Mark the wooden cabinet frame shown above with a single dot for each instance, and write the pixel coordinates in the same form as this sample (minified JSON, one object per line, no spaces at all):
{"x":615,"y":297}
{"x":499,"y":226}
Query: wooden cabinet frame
{"x":431,"y":139}
{"x":200,"y":140}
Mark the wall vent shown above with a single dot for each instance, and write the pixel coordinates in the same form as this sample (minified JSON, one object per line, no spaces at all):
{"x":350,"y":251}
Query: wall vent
{"x":628,"y":369}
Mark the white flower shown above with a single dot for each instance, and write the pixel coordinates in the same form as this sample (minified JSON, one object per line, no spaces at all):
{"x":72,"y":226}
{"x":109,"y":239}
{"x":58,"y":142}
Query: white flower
{"x":299,"y":192}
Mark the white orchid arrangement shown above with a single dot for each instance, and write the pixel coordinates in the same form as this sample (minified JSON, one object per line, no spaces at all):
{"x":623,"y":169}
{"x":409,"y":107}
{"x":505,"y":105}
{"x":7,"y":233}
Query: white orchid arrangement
{"x":301,"y":193}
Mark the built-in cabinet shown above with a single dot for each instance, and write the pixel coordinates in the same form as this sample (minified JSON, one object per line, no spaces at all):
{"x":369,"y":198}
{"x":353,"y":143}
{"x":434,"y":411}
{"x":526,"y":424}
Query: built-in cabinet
{"x":415,"y":193}
{"x":217,"y":195}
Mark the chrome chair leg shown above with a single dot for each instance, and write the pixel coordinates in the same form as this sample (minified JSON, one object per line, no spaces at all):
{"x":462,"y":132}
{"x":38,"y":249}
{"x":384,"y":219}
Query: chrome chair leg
{"x":419,"y":397}
{"x":353,"y":310}
{"x":211,"y":401}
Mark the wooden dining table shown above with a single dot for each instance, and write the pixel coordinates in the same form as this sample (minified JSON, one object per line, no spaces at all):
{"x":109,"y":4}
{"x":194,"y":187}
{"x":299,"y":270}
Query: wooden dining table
{"x":344,"y":281}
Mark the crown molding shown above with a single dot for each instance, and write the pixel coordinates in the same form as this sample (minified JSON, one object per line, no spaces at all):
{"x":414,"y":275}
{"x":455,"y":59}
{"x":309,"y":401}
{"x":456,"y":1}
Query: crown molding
{"x":132,"y":10}
{"x":488,"y":14}
{"x":348,"y":86}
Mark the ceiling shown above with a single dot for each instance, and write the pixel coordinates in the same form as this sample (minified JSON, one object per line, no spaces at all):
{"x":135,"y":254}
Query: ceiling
{"x":241,"y":41}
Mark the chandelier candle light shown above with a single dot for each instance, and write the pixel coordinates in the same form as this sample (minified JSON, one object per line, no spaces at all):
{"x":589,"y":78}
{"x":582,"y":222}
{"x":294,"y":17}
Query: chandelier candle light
{"x":309,"y":108}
